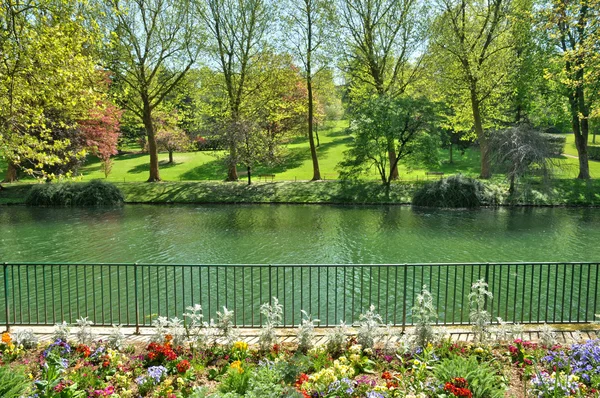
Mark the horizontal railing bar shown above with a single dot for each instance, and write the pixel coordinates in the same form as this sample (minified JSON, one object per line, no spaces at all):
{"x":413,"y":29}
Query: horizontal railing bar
{"x":301,"y":265}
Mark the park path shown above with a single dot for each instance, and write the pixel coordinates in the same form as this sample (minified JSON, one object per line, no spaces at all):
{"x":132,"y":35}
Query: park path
{"x":566,"y":333}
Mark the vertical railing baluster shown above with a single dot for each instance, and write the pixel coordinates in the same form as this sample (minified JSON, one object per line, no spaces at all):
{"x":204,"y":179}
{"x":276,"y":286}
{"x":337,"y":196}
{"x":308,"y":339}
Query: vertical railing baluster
{"x":6,"y":309}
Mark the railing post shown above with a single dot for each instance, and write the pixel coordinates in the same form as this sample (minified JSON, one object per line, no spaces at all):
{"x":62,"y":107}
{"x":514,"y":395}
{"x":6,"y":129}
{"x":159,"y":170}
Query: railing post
{"x":271,"y":284}
{"x":137,"y":304}
{"x":404,"y":298}
{"x":7,"y":312}
{"x":487,"y":274}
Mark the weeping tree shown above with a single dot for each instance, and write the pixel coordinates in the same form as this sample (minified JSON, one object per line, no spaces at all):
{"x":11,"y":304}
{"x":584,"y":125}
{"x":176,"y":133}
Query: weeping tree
{"x":521,"y":150}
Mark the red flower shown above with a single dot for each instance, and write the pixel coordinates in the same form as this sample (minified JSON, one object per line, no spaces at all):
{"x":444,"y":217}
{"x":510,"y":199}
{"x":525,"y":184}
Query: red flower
{"x":84,"y":350}
{"x":183,"y":366}
{"x":303,"y":378}
{"x":386,"y":376}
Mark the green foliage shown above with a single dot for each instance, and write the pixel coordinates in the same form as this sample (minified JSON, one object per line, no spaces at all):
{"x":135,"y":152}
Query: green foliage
{"x":455,"y":191}
{"x":265,"y":383}
{"x":48,"y":82}
{"x":93,"y":193}
{"x":482,"y":377}
{"x":13,"y":382}
{"x":237,"y":380}
{"x":383,"y":122}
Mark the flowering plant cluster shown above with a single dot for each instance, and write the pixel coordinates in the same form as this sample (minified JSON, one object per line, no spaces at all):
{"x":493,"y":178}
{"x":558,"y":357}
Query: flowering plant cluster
{"x":440,"y":369}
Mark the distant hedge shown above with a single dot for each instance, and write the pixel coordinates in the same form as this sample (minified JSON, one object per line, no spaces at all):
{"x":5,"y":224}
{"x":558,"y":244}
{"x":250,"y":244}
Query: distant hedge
{"x":455,"y":191}
{"x":557,"y":143}
{"x":594,"y":152}
{"x":93,"y":193}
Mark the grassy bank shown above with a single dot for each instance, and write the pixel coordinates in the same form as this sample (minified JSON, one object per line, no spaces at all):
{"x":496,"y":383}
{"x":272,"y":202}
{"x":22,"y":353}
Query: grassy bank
{"x":561,"y":193}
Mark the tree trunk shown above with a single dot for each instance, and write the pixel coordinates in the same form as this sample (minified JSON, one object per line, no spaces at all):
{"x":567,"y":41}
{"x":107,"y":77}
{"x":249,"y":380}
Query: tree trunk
{"x":483,"y":144}
{"x":152,"y":147}
{"x":170,"y":157}
{"x":249,"y":175}
{"x":581,"y":144}
{"x":11,"y":173}
{"x":311,"y":140}
{"x":232,"y":170}
{"x":511,"y":188}
{"x":580,"y":130}
{"x":451,"y":160}
{"x":392,"y":158}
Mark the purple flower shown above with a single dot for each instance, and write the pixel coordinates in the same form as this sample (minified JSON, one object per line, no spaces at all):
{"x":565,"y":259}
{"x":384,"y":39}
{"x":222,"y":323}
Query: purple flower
{"x":157,"y":373}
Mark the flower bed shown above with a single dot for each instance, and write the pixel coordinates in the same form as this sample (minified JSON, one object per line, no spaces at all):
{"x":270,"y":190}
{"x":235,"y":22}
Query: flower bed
{"x":173,"y":367}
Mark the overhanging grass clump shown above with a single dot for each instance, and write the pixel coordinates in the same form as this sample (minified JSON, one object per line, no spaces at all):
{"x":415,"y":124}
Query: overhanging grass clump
{"x":93,"y":193}
{"x":455,"y":191}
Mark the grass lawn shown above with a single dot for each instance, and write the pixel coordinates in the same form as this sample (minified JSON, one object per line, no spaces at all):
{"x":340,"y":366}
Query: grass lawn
{"x":297,"y":165}
{"x":129,"y":169}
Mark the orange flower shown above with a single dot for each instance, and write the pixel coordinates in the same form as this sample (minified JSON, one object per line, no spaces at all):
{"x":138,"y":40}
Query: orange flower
{"x":6,"y":339}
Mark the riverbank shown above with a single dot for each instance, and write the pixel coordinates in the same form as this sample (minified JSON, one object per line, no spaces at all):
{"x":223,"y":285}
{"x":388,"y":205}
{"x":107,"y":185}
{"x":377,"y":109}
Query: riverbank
{"x":563,"y":192}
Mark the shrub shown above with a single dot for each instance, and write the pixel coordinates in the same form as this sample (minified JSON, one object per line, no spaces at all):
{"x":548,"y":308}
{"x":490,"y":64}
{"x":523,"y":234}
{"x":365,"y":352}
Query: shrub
{"x":98,"y":193}
{"x":481,"y":378}
{"x":594,"y":152}
{"x":13,"y":382}
{"x":93,"y":193}
{"x":556,"y":143}
{"x":454,"y":191}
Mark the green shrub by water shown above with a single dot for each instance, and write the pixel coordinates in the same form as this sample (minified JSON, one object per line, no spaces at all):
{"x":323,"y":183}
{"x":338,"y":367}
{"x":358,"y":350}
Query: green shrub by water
{"x":93,"y":193}
{"x":454,"y":191}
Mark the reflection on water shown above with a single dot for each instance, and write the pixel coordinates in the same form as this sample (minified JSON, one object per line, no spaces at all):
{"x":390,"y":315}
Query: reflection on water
{"x":288,"y":234}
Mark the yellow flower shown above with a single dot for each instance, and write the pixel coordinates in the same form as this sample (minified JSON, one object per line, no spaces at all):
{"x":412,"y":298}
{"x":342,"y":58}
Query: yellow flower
{"x":479,"y":350}
{"x":240,"y":345}
{"x":180,"y":381}
{"x":6,"y":338}
{"x":237,"y":365}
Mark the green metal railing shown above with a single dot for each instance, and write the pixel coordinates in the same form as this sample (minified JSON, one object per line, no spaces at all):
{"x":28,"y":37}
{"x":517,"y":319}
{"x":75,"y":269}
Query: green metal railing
{"x":133,"y":294}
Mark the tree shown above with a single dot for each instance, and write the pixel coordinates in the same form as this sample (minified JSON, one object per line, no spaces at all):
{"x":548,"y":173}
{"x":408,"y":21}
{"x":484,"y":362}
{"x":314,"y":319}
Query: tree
{"x":311,"y":24}
{"x":575,"y":35}
{"x":101,"y":130}
{"x":519,"y":150}
{"x":404,"y":121}
{"x":382,"y":47}
{"x":169,"y":137}
{"x":473,"y":41}
{"x":236,"y":30}
{"x":275,"y":111}
{"x":47,"y":83}
{"x":154,"y":43}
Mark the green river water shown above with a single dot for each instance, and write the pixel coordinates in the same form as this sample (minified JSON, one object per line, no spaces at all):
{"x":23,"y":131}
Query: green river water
{"x":296,"y":234}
